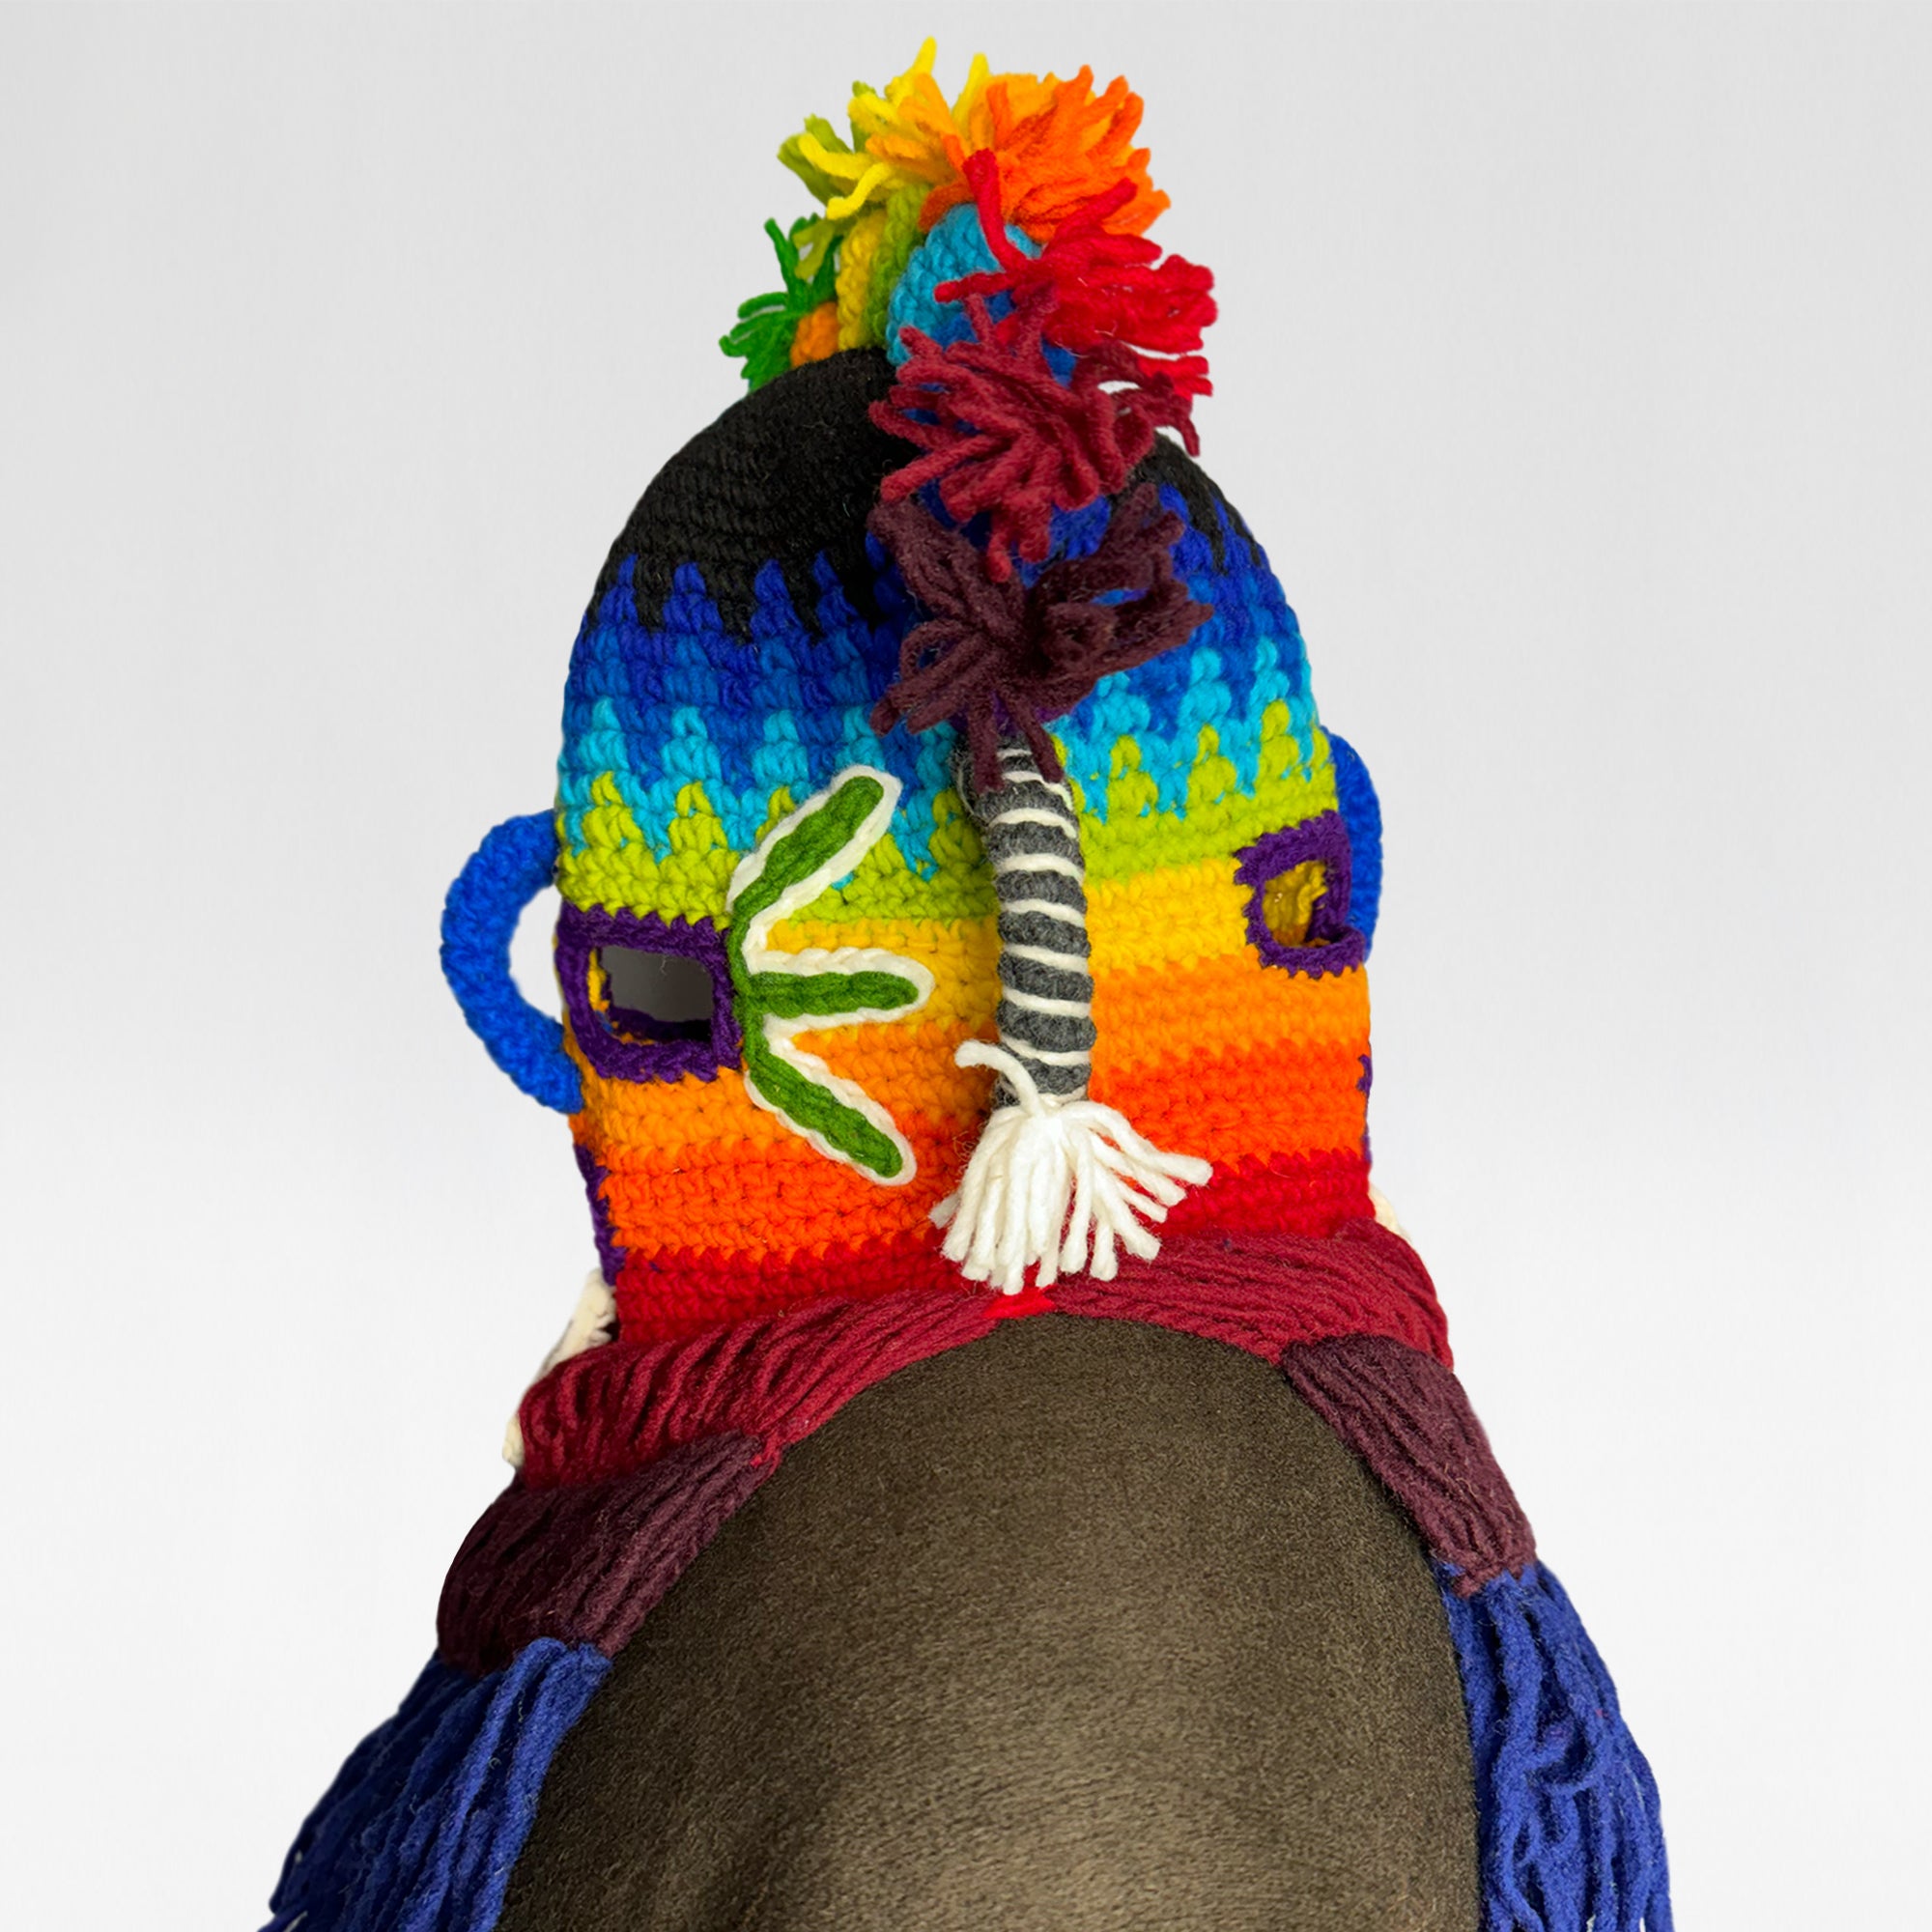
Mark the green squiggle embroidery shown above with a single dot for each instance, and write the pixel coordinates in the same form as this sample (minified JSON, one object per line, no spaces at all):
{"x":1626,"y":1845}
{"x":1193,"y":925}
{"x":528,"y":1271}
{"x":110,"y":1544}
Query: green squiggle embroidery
{"x":778,"y":995}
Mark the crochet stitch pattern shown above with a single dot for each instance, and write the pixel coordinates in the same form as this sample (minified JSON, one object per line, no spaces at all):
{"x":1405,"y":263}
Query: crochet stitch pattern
{"x":686,"y":743}
{"x":938,"y":720}
{"x":778,"y":994}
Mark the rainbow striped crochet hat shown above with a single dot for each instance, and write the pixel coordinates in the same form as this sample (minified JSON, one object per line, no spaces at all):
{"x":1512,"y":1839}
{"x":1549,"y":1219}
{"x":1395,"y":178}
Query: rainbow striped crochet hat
{"x":964,"y":912}
{"x":937,"y":593}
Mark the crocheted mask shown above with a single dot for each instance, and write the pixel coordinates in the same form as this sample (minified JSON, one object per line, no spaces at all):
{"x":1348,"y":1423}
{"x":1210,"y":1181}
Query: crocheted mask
{"x":959,"y":893}
{"x":780,"y":922}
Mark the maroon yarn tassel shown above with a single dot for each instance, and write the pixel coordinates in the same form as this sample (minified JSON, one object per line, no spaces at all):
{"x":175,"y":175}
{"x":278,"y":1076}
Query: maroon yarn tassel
{"x":1004,"y":437}
{"x":1003,"y":658}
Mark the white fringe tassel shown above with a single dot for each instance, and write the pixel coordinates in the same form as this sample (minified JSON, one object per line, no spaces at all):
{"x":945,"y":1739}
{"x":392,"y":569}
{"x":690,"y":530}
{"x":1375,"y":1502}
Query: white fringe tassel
{"x":1055,"y":1186}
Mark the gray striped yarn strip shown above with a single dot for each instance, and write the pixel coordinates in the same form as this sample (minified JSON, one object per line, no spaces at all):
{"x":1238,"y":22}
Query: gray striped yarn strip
{"x":1046,"y":992}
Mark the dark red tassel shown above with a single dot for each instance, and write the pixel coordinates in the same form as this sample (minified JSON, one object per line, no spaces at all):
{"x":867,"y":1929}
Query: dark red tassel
{"x":1000,"y":657}
{"x":1004,"y":437}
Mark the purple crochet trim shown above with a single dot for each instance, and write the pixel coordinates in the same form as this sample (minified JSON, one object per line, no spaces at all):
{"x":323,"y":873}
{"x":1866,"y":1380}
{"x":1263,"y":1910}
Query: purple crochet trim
{"x":1333,"y":944}
{"x":676,"y":1052}
{"x":610,"y":1257}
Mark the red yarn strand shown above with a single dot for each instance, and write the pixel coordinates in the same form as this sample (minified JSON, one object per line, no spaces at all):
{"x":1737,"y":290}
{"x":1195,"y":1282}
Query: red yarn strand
{"x":1105,"y":287}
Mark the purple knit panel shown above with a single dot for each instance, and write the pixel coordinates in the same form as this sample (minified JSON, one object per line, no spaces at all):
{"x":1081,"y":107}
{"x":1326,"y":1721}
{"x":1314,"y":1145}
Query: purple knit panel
{"x":1333,"y":944}
{"x":579,"y":934}
{"x":586,"y":1562}
{"x":1407,"y":1417}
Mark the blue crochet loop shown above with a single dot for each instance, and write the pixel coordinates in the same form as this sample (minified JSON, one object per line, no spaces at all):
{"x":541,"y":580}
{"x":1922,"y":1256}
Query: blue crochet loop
{"x":1362,"y":814}
{"x":955,"y":248}
{"x":1566,"y":1806}
{"x":513,"y":864}
{"x":421,"y":1827}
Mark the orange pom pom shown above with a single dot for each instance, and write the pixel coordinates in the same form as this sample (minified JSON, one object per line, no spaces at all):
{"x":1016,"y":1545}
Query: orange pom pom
{"x":818,"y":335}
{"x":1058,"y":145}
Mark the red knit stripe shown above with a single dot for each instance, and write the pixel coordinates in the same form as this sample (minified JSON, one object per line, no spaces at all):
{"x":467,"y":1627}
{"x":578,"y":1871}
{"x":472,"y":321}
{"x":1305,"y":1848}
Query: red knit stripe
{"x":776,"y":1377}
{"x":1315,"y":1193}
{"x":681,"y":1292}
{"x":618,"y":1408}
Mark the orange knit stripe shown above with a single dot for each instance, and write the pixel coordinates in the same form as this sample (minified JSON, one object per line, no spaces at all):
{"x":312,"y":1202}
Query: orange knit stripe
{"x":908,"y":1069}
{"x":789,"y":1198}
{"x":1246,"y":1105}
{"x":670,"y":1116}
{"x":1151,"y":1018}
{"x":698,"y":1198}
{"x":1287,"y":1081}
{"x":905,"y":1066}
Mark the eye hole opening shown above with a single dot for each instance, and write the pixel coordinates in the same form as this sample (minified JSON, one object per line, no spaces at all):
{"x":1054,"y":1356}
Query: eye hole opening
{"x":1289,"y":904}
{"x":1297,"y":902}
{"x":647,"y":998}
{"x":650,"y":996}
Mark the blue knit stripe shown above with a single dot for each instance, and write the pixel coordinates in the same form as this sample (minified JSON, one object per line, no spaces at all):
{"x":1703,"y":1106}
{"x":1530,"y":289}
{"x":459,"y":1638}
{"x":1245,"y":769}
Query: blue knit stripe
{"x":423,"y":1824}
{"x":659,"y":707}
{"x":1362,"y":814}
{"x":1566,"y":1808}
{"x":1247,"y":655}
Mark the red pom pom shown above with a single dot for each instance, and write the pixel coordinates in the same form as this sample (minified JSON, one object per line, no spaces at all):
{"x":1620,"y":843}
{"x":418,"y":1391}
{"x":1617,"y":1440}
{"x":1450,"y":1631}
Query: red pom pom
{"x":1105,"y":287}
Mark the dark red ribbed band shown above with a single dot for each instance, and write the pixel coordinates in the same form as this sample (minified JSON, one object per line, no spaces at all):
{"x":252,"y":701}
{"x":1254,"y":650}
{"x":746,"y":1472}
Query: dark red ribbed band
{"x":1266,"y":1293}
{"x":774,"y":1377}
{"x":588,"y":1561}
{"x":635,"y":1453}
{"x":1408,"y":1418}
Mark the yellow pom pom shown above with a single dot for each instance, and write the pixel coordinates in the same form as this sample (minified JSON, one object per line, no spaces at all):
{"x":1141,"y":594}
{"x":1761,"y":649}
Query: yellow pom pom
{"x":858,"y":254}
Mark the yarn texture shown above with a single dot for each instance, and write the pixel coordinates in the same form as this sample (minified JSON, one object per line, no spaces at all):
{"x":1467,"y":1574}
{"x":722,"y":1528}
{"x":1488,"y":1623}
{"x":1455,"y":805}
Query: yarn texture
{"x":965,"y":921}
{"x":686,"y":741}
{"x":779,"y":994}
{"x":423,"y":1824}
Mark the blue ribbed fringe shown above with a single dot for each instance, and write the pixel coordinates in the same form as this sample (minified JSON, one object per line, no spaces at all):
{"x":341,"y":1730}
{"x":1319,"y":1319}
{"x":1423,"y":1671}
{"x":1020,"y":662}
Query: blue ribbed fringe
{"x":421,"y":1827}
{"x":1570,"y":1839}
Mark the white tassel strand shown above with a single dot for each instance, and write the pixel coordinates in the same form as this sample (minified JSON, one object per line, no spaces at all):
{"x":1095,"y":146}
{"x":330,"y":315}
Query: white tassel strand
{"x":1057,"y":1185}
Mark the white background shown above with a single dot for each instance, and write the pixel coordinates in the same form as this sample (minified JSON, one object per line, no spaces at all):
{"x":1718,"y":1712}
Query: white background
{"x":1574,"y":370}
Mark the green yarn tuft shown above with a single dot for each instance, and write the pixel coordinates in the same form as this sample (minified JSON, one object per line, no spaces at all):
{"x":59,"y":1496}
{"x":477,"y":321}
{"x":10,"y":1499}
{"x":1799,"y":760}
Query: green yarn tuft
{"x":767,"y":324}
